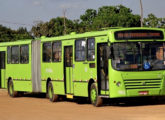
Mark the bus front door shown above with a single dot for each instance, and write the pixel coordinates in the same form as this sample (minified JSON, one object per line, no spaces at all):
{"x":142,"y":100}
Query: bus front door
{"x":68,"y":70}
{"x":102,"y":69}
{"x":2,"y":69}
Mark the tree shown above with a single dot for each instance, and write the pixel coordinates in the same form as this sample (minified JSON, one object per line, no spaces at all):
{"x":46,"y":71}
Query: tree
{"x":7,"y":34}
{"x":153,"y":21}
{"x":91,"y":20}
{"x":109,"y":16}
{"x":88,"y":18}
{"x":54,"y":27}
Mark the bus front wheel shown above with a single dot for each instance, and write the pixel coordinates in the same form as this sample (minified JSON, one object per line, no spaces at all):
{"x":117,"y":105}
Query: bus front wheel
{"x":95,"y":99}
{"x":52,"y":97}
{"x":11,"y":91}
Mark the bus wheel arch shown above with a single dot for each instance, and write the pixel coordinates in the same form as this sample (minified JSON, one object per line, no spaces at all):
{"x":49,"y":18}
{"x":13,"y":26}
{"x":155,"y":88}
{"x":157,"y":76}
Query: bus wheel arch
{"x":91,"y":81}
{"x":50,"y":91}
{"x":47,"y":82}
{"x":10,"y":87}
{"x":95,"y":99}
{"x":8,"y":81}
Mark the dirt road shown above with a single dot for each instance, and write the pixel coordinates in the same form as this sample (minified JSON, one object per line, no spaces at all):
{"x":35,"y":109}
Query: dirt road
{"x":38,"y":108}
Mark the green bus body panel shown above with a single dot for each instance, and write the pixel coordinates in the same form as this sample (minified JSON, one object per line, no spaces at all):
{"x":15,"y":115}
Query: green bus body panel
{"x":134,"y":77}
{"x":21,"y":71}
{"x":43,"y":84}
{"x":22,"y":86}
{"x":54,"y":71}
{"x":81,"y":89}
{"x":135,"y":93}
{"x":3,"y":81}
{"x":69,"y":83}
{"x":58,"y":87}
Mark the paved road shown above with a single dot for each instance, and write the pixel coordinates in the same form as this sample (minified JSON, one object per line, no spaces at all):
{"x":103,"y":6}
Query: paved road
{"x":39,"y":108}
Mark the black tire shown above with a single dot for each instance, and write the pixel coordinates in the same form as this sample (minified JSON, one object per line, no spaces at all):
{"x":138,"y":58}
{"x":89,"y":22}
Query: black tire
{"x":20,"y":94}
{"x":11,"y":91}
{"x":50,"y":92}
{"x":94,"y":98}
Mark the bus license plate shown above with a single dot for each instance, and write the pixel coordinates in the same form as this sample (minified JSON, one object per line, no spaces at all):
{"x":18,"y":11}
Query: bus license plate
{"x":143,"y":92}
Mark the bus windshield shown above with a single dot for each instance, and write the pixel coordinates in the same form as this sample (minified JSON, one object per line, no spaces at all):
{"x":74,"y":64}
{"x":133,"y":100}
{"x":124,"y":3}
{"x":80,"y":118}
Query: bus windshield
{"x":139,"y":56}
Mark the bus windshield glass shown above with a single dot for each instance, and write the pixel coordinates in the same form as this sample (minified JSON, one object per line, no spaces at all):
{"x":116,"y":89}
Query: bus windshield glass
{"x":139,"y":56}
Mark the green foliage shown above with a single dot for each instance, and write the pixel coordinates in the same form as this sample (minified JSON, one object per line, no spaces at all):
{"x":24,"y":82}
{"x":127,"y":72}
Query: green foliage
{"x":6,"y":34}
{"x":153,"y":21}
{"x":54,"y":27}
{"x":91,"y":20}
{"x":111,"y":16}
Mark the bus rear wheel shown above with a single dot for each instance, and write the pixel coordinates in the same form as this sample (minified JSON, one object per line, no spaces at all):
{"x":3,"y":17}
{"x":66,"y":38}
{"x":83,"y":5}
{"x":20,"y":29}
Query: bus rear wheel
{"x":11,"y":91}
{"x":52,"y":97}
{"x":95,"y":99}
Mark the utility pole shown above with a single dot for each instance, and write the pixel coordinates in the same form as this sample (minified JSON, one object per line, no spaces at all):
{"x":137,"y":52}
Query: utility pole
{"x":64,"y":13}
{"x":141,"y":10}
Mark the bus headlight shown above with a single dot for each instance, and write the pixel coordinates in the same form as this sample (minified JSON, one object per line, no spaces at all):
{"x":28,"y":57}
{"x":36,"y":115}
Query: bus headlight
{"x":118,"y":84}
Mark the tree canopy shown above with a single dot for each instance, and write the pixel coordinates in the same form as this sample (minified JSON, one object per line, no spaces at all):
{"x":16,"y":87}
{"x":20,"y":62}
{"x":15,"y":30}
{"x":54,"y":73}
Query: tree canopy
{"x":7,"y":34}
{"x":106,"y":16}
{"x":153,"y":21}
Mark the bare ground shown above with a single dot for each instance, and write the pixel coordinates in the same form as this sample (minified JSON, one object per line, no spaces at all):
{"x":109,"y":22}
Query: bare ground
{"x":36,"y":107}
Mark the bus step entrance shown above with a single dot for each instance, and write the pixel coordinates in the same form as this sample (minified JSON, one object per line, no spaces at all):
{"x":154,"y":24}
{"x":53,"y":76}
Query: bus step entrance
{"x":70,"y":96}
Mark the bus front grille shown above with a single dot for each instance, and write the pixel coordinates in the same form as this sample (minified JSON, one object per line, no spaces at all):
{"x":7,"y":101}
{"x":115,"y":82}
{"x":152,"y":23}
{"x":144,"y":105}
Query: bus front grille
{"x":142,"y":83}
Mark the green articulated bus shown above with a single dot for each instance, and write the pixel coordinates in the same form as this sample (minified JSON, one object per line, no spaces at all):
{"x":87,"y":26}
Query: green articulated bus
{"x":113,"y":63}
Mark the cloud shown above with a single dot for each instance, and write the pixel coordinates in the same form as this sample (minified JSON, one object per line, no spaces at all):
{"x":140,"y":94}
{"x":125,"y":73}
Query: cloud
{"x":70,"y":5}
{"x":37,"y":3}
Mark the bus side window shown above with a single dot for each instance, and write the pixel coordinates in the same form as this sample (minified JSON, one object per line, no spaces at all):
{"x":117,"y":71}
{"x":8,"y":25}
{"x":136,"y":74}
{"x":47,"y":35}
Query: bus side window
{"x":47,"y":52}
{"x":56,"y":47}
{"x":24,"y":54}
{"x":15,"y":54}
{"x":80,"y":50}
{"x":91,"y":49}
{"x":8,"y":55}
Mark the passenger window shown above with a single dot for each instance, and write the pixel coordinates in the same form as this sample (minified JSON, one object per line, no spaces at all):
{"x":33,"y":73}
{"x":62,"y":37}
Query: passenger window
{"x":2,"y":61}
{"x":80,"y":50}
{"x":47,"y":52}
{"x":8,"y":55}
{"x":56,"y":57}
{"x":15,"y":54}
{"x":91,"y":49}
{"x":24,"y":54}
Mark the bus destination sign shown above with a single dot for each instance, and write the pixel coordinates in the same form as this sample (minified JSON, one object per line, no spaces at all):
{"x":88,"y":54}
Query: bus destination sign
{"x":138,"y":34}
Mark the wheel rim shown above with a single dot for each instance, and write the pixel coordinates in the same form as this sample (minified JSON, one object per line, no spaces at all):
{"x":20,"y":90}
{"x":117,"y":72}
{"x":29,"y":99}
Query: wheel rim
{"x":50,"y":92}
{"x":93,"y":95}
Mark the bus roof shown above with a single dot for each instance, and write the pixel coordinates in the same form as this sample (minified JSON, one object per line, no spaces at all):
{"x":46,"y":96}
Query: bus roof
{"x":73,"y":35}
{"x":104,"y":32}
{"x":19,"y":42}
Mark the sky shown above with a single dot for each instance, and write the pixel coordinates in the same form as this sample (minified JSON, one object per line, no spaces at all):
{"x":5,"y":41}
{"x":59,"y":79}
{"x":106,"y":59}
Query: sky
{"x":26,"y":13}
